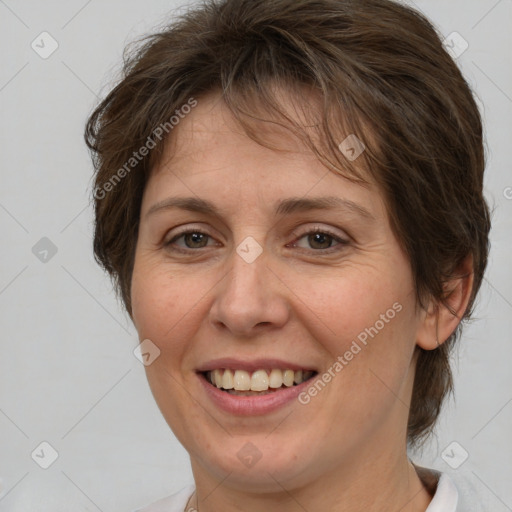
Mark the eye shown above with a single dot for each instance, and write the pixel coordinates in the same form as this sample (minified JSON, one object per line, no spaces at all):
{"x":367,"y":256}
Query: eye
{"x":321,"y":239}
{"x":193,"y":239}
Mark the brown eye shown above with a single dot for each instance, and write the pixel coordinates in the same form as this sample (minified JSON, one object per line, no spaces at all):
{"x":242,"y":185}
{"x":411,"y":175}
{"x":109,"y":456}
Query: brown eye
{"x":320,"y":239}
{"x":193,"y":239}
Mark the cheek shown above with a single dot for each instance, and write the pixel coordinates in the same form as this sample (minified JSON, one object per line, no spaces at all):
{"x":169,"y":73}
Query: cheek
{"x":365,"y":322}
{"x":167,"y":308}
{"x":156,"y":298}
{"x":339,"y":308}
{"x":163,"y":312}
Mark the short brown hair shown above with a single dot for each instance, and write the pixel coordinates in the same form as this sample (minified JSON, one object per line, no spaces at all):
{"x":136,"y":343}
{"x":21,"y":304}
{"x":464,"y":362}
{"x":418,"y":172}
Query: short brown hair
{"x":379,"y":67}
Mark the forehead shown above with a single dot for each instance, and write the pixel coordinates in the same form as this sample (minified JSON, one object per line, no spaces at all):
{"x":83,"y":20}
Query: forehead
{"x":210,"y":152}
{"x":211,"y":123}
{"x":299,"y":109}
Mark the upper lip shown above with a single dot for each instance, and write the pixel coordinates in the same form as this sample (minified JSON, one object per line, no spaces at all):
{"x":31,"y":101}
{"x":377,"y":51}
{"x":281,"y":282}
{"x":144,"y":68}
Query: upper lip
{"x":252,"y":365}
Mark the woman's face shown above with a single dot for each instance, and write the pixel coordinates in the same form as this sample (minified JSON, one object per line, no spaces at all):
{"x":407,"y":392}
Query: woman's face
{"x":253,"y":287}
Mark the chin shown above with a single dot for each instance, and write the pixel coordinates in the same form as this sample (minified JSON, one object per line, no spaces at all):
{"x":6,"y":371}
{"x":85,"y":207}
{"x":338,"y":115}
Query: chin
{"x":248,"y":468}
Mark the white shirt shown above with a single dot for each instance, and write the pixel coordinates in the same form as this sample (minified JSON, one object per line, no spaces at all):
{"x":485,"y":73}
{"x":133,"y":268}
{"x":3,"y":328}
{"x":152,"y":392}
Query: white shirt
{"x":447,"y":496}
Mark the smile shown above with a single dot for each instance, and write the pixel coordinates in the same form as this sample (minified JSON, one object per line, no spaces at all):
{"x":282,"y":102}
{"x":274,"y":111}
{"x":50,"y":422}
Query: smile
{"x":254,"y":388}
{"x":245,"y":383}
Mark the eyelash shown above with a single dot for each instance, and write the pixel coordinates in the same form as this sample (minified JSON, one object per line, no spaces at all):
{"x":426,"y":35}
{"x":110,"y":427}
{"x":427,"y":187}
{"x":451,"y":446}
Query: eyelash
{"x":341,"y":242}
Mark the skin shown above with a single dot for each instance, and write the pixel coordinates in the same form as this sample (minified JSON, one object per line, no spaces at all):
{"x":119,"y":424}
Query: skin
{"x":303,"y":300}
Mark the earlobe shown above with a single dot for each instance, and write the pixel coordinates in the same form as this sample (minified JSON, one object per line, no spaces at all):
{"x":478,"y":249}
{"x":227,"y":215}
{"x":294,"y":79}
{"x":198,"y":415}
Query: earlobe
{"x":440,"y":320}
{"x":427,"y":336}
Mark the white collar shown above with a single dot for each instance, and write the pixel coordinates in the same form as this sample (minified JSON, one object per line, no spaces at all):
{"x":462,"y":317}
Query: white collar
{"x":445,"y":494}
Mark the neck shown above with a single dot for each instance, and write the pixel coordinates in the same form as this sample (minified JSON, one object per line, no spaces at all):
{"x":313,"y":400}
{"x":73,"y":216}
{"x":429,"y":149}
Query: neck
{"x":369,"y":487}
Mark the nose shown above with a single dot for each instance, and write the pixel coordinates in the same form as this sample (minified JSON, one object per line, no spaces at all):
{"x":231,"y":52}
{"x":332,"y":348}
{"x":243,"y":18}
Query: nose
{"x":250,"y":298}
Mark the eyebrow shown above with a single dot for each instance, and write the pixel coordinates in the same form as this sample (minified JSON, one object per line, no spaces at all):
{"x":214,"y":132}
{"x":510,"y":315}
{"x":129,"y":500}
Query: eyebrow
{"x":283,"y":207}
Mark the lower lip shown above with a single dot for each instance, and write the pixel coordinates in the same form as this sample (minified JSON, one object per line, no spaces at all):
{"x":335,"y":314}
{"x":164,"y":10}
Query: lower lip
{"x":252,"y":405}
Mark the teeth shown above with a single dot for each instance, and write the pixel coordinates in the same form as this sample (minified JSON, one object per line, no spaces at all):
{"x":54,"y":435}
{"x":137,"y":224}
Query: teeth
{"x":276,"y":378}
{"x":242,"y":381}
{"x":227,"y":380}
{"x":307,"y":375}
{"x":288,"y":378}
{"x":260,"y":380}
{"x":217,"y":378}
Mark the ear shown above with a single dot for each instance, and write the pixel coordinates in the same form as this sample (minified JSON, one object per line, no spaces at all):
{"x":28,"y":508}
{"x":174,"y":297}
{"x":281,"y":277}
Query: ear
{"x":438,"y":322}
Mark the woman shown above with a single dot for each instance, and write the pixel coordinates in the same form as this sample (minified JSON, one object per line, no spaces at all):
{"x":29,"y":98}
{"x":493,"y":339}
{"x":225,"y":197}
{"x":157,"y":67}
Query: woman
{"x":288,"y":195}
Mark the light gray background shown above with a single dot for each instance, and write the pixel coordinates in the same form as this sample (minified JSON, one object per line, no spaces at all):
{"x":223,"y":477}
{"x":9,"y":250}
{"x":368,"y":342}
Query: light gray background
{"x":67,"y":373}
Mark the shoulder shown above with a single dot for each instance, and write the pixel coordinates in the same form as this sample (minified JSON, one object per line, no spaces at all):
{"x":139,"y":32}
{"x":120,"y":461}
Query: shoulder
{"x":472,"y":496}
{"x":174,"y":503}
{"x":452,"y":491}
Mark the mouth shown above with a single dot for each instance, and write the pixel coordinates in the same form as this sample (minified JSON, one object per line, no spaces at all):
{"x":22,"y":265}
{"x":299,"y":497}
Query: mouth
{"x":256,"y":383}
{"x":253,"y":387}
